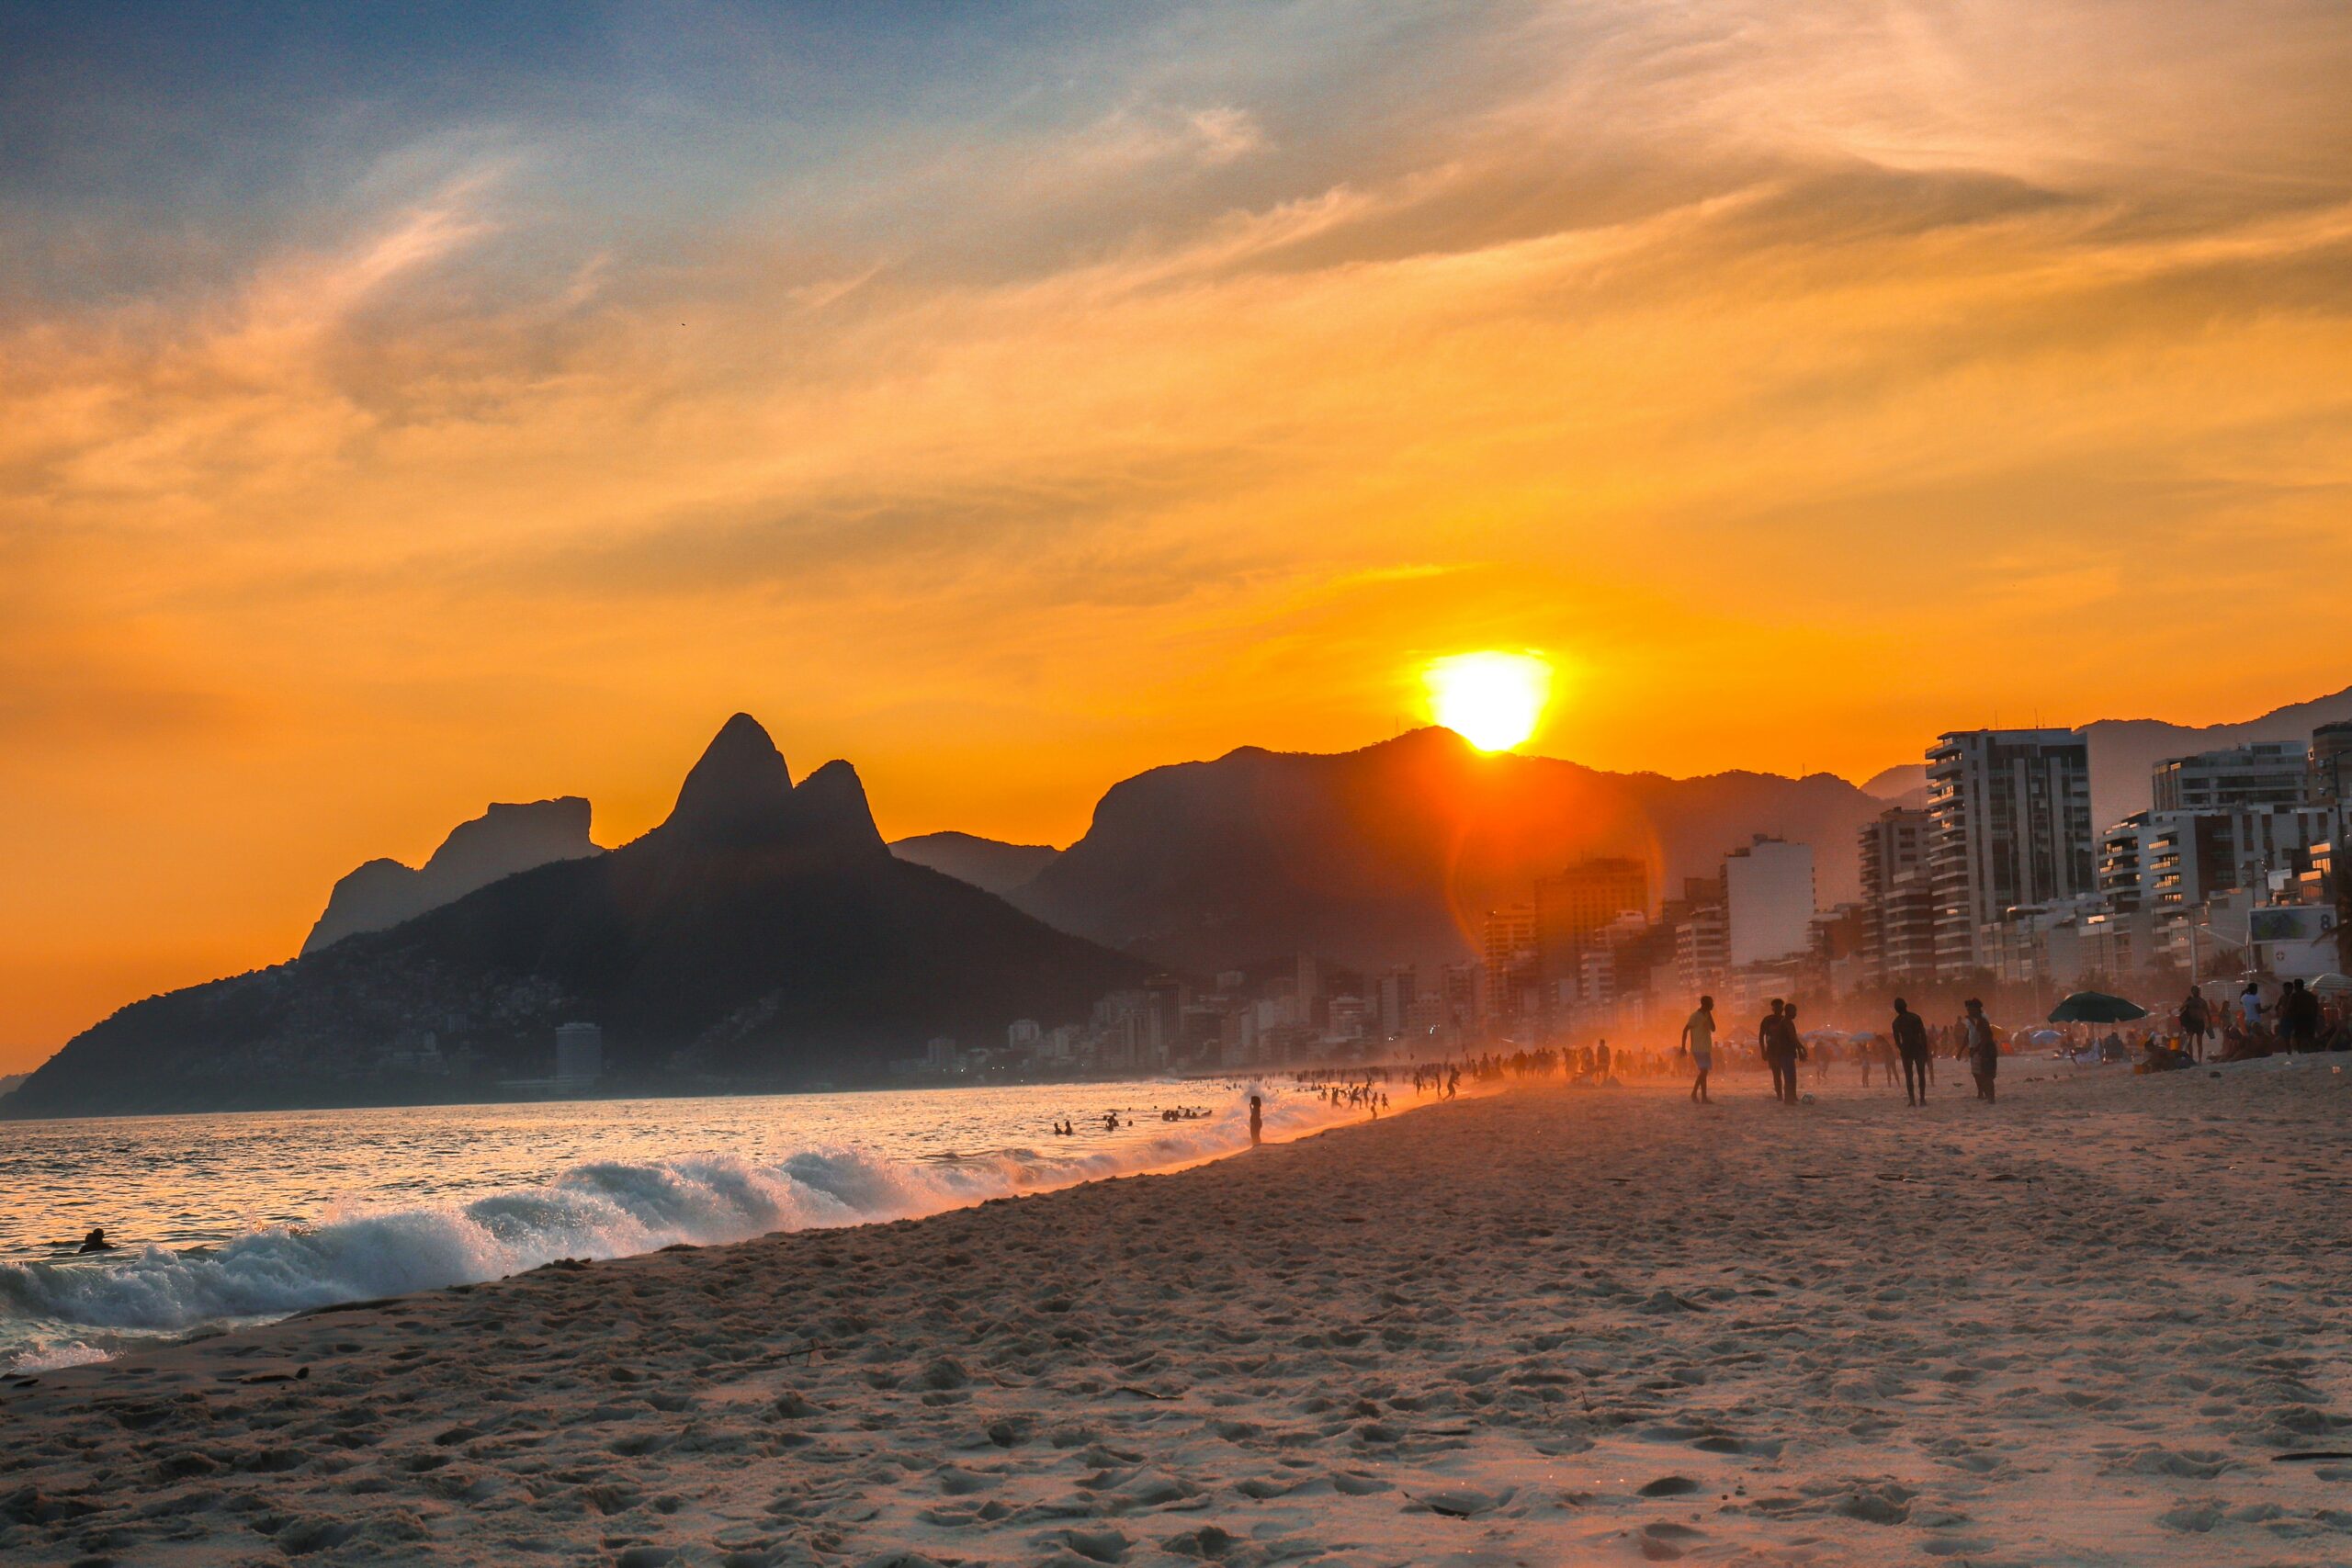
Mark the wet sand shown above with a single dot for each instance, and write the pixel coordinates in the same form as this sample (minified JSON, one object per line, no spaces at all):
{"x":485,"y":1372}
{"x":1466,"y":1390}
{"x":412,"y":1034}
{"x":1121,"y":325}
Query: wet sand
{"x":1554,"y":1325}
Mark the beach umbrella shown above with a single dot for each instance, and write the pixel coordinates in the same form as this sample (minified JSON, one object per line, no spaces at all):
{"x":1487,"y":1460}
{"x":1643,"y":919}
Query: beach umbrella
{"x":2095,"y":1007}
{"x":2332,"y":985}
{"x":2043,"y":1036}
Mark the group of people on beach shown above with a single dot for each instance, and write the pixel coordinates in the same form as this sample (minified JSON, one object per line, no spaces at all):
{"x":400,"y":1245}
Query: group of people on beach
{"x":2297,"y":1019}
{"x":2244,"y":1027}
{"x":1907,"y":1041}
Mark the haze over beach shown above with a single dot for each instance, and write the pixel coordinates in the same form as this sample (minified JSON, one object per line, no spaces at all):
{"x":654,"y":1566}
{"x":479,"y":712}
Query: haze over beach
{"x":1322,"y":782}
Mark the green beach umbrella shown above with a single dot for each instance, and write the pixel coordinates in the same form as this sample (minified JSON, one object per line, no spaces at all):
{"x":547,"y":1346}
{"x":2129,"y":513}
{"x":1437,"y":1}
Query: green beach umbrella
{"x":2095,"y":1007}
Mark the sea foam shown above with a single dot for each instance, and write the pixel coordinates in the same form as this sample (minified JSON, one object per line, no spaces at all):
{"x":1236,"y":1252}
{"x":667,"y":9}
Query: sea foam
{"x":360,"y":1251}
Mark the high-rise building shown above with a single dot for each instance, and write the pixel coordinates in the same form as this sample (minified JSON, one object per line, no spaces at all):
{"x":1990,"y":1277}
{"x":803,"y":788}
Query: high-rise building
{"x":2265,"y":776}
{"x":1165,"y":997}
{"x":1514,"y":974}
{"x":1573,"y":907}
{"x":1351,"y":1018}
{"x":2330,"y":780}
{"x":1893,"y":850}
{"x":2122,"y":863}
{"x":1399,"y":990}
{"x":1702,"y":949}
{"x":1767,"y":900}
{"x":1462,"y":1008}
{"x":1908,"y":924}
{"x":2011,"y":810}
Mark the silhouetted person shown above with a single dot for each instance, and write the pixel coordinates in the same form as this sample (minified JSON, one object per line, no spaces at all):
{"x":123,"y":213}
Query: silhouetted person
{"x":1984,"y":1051}
{"x":1257,"y":1121}
{"x":1911,"y":1046}
{"x":1699,"y":1040}
{"x":95,"y":1242}
{"x":1797,"y":1053}
{"x":1775,"y":1038}
{"x":2195,"y":1022}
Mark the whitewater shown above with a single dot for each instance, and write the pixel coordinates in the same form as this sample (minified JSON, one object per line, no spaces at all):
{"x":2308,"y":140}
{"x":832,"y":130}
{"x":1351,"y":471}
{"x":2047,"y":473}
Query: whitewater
{"x":229,"y":1220}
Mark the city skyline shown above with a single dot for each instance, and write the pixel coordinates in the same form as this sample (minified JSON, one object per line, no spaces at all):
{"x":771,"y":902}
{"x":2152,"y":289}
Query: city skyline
{"x":399,"y":419}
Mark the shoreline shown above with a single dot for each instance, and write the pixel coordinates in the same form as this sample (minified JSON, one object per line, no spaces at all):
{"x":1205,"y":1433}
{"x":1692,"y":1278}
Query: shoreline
{"x":1547,"y":1324}
{"x":381,"y":1242}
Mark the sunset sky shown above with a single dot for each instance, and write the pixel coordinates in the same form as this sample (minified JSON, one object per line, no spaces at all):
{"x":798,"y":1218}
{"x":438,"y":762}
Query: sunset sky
{"x":410,"y":407}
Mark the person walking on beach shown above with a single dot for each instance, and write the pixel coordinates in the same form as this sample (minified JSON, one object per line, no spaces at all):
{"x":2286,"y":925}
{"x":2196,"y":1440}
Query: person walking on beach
{"x":1698,"y":1044}
{"x":1776,"y":1039}
{"x":1257,"y":1121}
{"x":2195,"y":1022}
{"x":1984,"y":1051}
{"x":1911,"y":1045}
{"x":1797,"y":1052}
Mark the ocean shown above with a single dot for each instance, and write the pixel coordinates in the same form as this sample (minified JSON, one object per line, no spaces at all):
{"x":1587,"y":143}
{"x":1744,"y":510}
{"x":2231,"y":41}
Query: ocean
{"x":233,"y":1219}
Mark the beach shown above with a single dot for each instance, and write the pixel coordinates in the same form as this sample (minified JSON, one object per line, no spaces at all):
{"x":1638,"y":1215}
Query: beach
{"x":2101,"y":1322}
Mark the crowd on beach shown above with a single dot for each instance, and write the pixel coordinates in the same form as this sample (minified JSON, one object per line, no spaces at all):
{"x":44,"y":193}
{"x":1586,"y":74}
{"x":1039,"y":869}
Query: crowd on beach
{"x":1903,"y":1053}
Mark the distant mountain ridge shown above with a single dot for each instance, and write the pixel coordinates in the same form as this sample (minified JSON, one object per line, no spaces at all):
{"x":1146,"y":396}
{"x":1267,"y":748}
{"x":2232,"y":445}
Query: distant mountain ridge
{"x":1898,"y":785}
{"x":763,"y":936}
{"x":2124,"y":750}
{"x":500,"y":841}
{"x":1393,"y":853}
{"x":990,"y":864}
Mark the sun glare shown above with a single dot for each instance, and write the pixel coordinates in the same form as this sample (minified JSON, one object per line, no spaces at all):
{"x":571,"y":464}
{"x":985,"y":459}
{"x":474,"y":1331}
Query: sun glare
{"x":1492,"y":700}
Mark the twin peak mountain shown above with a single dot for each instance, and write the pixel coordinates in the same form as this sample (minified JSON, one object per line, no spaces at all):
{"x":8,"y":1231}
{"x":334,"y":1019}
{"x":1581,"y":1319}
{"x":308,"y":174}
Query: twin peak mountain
{"x":763,"y":935}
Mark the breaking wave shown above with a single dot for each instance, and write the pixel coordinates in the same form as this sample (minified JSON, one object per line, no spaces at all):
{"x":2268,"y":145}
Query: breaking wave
{"x":359,"y":1252}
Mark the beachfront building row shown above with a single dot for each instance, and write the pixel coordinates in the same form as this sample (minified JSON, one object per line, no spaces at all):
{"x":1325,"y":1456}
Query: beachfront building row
{"x":2000,"y":875}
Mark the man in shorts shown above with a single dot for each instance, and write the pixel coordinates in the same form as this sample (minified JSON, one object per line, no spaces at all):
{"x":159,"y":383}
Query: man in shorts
{"x":1699,"y":1040}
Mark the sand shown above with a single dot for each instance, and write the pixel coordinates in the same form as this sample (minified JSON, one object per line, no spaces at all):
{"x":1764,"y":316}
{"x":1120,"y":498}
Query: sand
{"x":1551,"y":1326}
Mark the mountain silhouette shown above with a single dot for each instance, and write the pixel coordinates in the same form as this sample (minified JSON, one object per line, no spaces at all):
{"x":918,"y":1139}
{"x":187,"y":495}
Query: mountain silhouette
{"x":502,"y":840}
{"x":2123,"y":751}
{"x":984,"y":863}
{"x":1394,"y":852}
{"x":761,"y":936}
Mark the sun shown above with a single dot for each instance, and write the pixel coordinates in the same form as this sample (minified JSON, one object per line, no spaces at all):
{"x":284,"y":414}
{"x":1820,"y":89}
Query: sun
{"x":1492,"y":700}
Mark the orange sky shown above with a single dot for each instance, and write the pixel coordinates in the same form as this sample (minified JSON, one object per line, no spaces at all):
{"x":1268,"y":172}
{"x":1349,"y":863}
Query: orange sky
{"x":1011,"y":412}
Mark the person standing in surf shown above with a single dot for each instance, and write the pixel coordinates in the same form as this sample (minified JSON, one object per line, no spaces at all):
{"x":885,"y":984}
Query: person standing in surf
{"x":1698,"y":1044}
{"x":1257,"y":1121}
